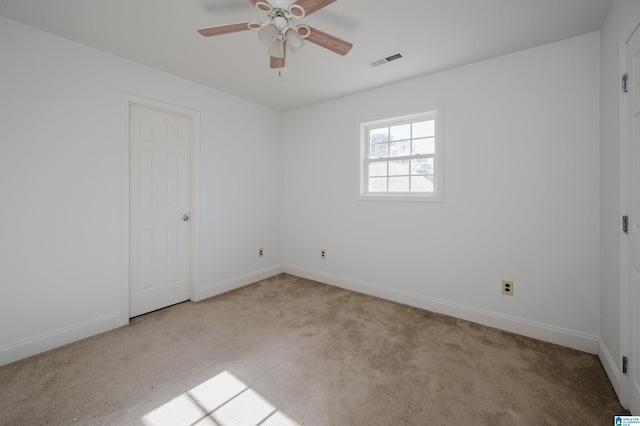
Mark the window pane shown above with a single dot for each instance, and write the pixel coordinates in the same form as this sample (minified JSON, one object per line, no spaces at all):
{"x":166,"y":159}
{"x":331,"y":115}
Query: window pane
{"x":378,"y":184}
{"x":424,"y":146}
{"x":421,"y":183}
{"x":429,"y":166}
{"x":424,"y":129}
{"x":400,"y":132}
{"x":379,"y":135}
{"x":399,"y":184}
{"x":400,"y":148}
{"x":379,"y":150}
{"x":421,"y":166}
{"x":398,"y":167}
{"x":378,"y":169}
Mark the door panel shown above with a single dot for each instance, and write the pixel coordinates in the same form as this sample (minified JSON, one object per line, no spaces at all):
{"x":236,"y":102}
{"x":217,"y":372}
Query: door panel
{"x":160,"y":196}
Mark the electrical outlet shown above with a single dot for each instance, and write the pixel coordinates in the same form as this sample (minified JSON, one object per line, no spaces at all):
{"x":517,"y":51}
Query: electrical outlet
{"x":507,"y":287}
{"x":260,"y":252}
{"x":323,"y":254}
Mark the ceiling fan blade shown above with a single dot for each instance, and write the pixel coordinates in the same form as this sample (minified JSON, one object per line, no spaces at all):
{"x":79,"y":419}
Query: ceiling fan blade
{"x":276,"y":62}
{"x":262,"y":7}
{"x":328,"y":41}
{"x":311,"y":6}
{"x":224,"y":29}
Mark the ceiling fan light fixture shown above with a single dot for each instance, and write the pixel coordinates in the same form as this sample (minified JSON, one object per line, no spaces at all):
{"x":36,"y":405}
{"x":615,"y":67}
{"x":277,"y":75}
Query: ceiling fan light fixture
{"x":268,"y":35}
{"x":294,"y":40}
{"x":277,"y":49}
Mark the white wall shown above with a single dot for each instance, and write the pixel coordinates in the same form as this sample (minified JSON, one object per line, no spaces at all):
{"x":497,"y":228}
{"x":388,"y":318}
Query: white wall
{"x":622,"y":18}
{"x":61,"y":107}
{"x":520,"y":202}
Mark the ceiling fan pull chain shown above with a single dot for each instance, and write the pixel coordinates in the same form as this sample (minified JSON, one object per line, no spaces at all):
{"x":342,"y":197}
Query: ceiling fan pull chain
{"x":280,"y":70}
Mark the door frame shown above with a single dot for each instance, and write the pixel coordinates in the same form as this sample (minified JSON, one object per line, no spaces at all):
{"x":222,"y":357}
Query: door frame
{"x":626,"y":185}
{"x":625,"y":288}
{"x":129,"y":100}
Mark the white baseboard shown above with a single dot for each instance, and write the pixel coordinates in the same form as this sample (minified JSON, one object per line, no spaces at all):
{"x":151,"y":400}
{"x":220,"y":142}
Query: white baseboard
{"x":617,"y":379}
{"x":586,"y":343}
{"x":557,"y":335}
{"x":44,"y":342}
{"x":236,"y":282}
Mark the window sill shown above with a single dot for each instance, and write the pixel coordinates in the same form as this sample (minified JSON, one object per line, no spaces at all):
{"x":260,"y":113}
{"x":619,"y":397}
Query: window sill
{"x":403,"y":198}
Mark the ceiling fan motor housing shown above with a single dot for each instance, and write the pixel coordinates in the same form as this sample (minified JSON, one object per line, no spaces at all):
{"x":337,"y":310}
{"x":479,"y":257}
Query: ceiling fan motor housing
{"x":280,"y":21}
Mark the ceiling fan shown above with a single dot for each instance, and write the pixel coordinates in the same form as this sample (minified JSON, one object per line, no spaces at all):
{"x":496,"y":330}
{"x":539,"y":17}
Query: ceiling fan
{"x":279,"y":33}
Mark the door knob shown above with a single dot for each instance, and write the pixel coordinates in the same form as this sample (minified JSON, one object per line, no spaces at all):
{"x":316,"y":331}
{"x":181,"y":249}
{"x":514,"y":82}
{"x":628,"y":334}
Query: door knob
{"x":185,"y":217}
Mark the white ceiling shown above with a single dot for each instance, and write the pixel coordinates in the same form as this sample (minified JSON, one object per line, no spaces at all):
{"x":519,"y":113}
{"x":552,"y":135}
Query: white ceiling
{"x":432,"y":35}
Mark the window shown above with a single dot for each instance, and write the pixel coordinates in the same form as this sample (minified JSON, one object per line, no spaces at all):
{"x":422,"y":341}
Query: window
{"x":401,"y":158}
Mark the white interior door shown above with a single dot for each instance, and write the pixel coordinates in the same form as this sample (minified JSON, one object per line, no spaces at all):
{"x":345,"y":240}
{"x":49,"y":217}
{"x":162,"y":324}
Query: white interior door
{"x":159,"y":209}
{"x":633,"y":69}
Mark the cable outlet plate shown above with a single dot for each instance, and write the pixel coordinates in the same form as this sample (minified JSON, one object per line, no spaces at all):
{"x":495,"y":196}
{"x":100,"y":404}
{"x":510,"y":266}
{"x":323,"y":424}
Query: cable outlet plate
{"x":260,"y":252}
{"x":323,"y":254}
{"x":507,"y":287}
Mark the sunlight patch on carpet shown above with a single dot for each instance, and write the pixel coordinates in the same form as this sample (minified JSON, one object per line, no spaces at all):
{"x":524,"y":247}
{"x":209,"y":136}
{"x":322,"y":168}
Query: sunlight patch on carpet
{"x":223,"y":400}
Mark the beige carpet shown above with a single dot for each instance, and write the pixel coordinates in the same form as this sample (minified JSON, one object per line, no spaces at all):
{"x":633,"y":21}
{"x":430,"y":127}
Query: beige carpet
{"x":292,"y":351}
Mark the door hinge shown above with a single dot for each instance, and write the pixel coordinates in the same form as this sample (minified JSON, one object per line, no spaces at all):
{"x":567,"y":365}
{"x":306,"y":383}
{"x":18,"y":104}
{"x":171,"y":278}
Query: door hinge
{"x":625,"y":365}
{"x":625,"y":83}
{"x":625,"y":224}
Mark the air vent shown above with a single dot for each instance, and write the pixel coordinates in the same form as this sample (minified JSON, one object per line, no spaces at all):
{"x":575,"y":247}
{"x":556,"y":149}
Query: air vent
{"x":385,"y":60}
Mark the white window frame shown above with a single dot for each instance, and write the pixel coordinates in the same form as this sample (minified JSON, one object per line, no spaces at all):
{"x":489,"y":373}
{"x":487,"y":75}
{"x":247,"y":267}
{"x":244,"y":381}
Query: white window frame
{"x":435,"y":112}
